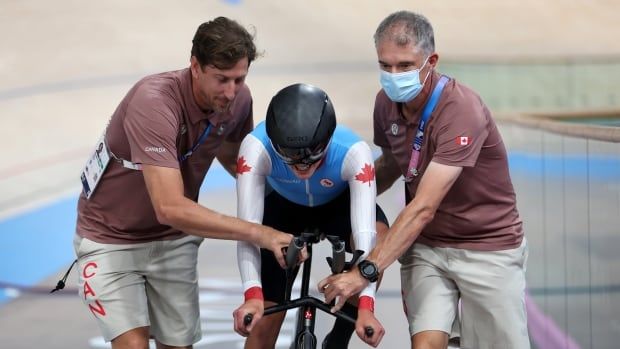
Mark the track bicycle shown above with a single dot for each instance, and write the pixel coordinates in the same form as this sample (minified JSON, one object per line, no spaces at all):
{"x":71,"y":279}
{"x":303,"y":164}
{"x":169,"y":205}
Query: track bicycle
{"x":306,"y":315}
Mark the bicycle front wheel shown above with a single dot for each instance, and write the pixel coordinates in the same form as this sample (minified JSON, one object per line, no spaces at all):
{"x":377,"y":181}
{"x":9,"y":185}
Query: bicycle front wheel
{"x":306,"y":341}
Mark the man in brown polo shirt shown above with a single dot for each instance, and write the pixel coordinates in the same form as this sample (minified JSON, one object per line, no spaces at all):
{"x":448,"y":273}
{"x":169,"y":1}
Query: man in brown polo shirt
{"x":460,"y":237}
{"x":139,"y":224}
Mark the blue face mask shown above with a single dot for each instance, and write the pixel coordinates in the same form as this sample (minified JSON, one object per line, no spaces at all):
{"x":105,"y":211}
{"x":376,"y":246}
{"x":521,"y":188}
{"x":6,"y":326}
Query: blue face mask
{"x":405,"y":86}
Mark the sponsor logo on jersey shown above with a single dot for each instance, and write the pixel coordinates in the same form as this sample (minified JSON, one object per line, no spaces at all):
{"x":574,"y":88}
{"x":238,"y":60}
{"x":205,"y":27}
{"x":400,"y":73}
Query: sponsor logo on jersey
{"x":326,"y":182}
{"x":287,"y":180}
{"x":242,"y":167}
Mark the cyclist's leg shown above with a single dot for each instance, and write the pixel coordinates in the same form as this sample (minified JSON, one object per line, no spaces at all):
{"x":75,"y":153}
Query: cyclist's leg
{"x":265,"y":333}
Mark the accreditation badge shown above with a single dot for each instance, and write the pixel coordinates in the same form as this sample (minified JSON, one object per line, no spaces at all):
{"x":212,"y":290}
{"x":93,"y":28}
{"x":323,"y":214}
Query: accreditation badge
{"x":95,"y":166}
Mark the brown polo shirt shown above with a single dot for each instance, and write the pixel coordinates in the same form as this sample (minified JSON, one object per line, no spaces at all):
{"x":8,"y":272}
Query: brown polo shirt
{"x":156,"y":122}
{"x":479,"y":211}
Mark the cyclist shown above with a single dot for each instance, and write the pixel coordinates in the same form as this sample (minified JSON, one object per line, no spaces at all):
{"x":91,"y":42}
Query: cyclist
{"x":295,"y":170}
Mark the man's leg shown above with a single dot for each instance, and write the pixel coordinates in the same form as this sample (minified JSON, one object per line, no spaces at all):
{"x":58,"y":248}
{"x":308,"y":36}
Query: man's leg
{"x":492,"y":285}
{"x":429,"y":340}
{"x":112,"y":287}
{"x":138,"y":338}
{"x":430,"y":297}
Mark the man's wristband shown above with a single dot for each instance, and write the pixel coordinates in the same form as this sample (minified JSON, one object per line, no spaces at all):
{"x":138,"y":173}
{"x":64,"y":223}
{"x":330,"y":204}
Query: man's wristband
{"x":366,"y":302}
{"x":253,"y":293}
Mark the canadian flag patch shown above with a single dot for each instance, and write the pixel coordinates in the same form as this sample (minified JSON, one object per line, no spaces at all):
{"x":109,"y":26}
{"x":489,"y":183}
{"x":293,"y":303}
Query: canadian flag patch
{"x":463,"y":140}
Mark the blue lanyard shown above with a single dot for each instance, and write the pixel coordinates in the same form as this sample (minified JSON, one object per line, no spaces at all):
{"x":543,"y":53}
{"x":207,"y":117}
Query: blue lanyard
{"x":419,"y":137}
{"x":201,"y":140}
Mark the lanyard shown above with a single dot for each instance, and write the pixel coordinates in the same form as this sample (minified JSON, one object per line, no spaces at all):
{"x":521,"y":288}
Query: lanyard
{"x":419,"y":137}
{"x":201,"y":140}
{"x":133,"y":166}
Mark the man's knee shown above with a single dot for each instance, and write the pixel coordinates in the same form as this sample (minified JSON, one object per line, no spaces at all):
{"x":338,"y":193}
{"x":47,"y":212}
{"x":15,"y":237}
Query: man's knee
{"x":265,"y":332}
{"x":137,"y":338}
{"x":429,"y":340}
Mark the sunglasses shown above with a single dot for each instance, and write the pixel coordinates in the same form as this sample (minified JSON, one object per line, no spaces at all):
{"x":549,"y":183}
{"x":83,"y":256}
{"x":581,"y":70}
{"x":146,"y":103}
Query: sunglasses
{"x":305,"y":156}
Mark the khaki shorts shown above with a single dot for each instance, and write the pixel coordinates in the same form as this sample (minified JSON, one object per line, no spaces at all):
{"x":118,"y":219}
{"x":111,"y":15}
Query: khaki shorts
{"x":147,"y":284}
{"x":490,"y":286}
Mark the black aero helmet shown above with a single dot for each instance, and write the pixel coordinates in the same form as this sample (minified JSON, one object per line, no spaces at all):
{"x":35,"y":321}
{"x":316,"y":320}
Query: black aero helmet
{"x":300,"y":123}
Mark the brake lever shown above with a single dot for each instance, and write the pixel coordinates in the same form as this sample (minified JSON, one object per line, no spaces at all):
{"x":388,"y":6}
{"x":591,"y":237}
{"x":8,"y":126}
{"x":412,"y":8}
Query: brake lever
{"x":292,"y":252}
{"x":356,"y":256}
{"x":337,"y":261}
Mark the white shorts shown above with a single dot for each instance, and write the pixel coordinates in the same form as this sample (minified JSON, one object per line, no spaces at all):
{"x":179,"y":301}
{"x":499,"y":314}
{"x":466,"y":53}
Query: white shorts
{"x":146,"y":284}
{"x":489,"y":284}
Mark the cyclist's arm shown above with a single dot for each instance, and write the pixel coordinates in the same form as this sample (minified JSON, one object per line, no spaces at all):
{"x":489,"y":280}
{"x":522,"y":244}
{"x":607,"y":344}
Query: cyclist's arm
{"x":359,"y":171}
{"x":253,"y":165}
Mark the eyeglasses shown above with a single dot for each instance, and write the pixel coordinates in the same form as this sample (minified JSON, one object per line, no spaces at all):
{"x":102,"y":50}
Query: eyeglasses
{"x":306,"y":156}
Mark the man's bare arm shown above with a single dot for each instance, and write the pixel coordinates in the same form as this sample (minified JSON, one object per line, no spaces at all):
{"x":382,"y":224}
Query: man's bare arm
{"x":386,"y":170}
{"x":434,"y":185}
{"x":227,"y":156}
{"x":165,"y":187}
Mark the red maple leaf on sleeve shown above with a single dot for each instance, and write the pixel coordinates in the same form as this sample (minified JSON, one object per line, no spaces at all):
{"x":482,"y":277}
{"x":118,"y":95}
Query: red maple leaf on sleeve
{"x":367,"y":174}
{"x":242,"y":167}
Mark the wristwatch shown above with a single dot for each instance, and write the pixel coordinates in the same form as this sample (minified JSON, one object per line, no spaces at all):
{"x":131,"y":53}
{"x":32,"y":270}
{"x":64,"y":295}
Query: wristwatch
{"x":369,"y":270}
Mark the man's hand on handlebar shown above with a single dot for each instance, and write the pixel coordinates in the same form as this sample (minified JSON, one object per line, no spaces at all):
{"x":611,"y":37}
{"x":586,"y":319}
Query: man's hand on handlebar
{"x":276,"y":242}
{"x":295,"y":254}
{"x":366,"y":320}
{"x":252,"y":307}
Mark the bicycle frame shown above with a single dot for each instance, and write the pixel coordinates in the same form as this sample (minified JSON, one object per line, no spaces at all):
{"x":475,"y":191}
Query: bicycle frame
{"x":304,"y":337}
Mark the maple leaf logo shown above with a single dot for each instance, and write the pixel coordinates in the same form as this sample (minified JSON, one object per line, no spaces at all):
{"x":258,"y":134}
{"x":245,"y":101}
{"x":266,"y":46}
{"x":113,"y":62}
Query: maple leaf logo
{"x":367,"y":174}
{"x":242,"y":167}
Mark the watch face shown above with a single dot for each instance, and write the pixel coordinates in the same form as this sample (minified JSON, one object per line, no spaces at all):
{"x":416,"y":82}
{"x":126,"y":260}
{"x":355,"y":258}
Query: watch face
{"x":369,"y":269}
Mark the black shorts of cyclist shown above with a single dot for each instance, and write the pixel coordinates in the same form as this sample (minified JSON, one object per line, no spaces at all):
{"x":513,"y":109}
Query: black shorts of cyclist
{"x":332,"y":218}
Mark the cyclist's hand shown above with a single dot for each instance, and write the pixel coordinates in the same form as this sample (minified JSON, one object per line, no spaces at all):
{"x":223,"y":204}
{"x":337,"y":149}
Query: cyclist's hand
{"x":251,"y":306}
{"x":275,"y":241}
{"x":340,"y":287}
{"x":366,"y":318}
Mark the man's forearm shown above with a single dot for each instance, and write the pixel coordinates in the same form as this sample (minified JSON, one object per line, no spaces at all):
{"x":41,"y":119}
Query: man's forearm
{"x":384,"y":181}
{"x":386,"y":173}
{"x":194,"y":219}
{"x":400,"y":236}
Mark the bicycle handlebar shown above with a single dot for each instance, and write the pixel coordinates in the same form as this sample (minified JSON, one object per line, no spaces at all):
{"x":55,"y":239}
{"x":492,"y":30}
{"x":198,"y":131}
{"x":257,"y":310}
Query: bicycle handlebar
{"x":292,"y":252}
{"x":247,"y":319}
{"x":337,"y":262}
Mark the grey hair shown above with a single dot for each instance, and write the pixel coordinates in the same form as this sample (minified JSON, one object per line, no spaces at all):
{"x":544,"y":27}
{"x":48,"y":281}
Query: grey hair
{"x":404,"y":28}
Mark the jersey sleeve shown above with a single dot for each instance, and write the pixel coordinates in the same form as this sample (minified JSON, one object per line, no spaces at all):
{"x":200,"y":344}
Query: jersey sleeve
{"x":253,"y":165}
{"x":152,"y":126}
{"x":359,"y":171}
{"x":460,"y":138}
